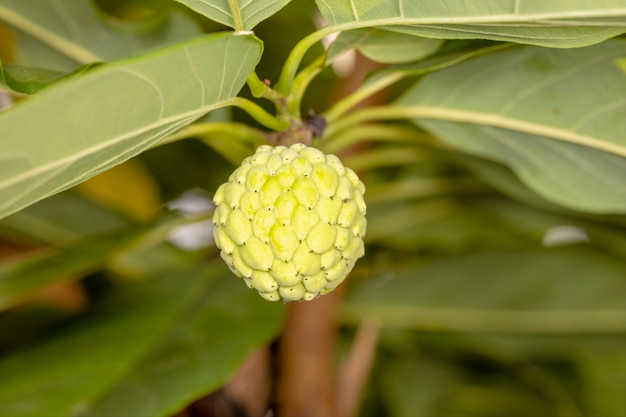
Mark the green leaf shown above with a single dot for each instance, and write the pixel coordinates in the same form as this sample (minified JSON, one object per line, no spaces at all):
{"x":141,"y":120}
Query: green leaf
{"x":384,"y":46}
{"x":114,"y":112}
{"x":237,"y":14}
{"x":554,"y":116}
{"x":414,"y":386}
{"x":27,"y":80}
{"x":22,"y":276}
{"x":64,"y":35}
{"x":605,"y":382}
{"x":197,"y":356}
{"x":570,"y":290}
{"x":62,"y":375}
{"x":146,"y":349}
{"x":563,"y":24}
{"x":60,"y":219}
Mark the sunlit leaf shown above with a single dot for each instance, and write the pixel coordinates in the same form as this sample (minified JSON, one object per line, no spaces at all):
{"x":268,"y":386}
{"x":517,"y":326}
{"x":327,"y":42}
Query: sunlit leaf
{"x":238,"y":14}
{"x":99,"y":125}
{"x":557,"y":24}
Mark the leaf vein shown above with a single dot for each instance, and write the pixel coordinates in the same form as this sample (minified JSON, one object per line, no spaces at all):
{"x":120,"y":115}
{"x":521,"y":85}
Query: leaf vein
{"x":597,"y":112}
{"x":196,"y":75}
{"x":546,"y":81}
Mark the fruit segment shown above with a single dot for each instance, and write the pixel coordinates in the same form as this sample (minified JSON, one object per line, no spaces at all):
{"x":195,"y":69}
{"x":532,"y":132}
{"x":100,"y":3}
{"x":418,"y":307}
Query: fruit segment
{"x":290,"y":222}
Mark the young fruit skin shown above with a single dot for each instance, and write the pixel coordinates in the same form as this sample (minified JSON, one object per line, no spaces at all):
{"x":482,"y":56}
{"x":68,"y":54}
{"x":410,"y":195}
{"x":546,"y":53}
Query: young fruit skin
{"x":290,"y":222}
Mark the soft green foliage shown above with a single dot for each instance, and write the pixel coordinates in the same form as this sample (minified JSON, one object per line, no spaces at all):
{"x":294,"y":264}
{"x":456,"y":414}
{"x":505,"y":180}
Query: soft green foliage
{"x":97,"y":134}
{"x":237,"y":14}
{"x":491,"y":138}
{"x":563,"y":24}
{"x":553,"y":140}
{"x":62,"y":36}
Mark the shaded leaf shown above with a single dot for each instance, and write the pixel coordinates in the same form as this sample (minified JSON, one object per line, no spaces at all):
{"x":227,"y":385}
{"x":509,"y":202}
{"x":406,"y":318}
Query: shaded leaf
{"x":197,"y":356}
{"x":99,"y":126}
{"x":415,"y":387}
{"x":559,"y":291}
{"x":554,"y":116}
{"x":60,"y":219}
{"x":22,"y":276}
{"x":605,"y":382}
{"x":29,"y":80}
{"x":26,"y":79}
{"x":245,"y":15}
{"x":556,"y":24}
{"x":384,"y":46}
{"x":63,"y":35}
{"x":62,"y":375}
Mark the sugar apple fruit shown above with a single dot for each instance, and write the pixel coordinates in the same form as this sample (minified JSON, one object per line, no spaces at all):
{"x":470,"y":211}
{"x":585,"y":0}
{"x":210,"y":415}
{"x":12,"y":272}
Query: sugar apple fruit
{"x":290,"y":222}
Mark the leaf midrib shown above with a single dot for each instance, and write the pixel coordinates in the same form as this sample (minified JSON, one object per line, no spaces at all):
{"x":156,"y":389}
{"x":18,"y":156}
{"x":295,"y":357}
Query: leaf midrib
{"x":544,"y":18}
{"x":112,"y":141}
{"x":495,"y":319}
{"x":497,"y":120}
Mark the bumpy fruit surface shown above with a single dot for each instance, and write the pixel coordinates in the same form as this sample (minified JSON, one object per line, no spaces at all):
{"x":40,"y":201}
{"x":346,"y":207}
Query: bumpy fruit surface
{"x":290,"y":222}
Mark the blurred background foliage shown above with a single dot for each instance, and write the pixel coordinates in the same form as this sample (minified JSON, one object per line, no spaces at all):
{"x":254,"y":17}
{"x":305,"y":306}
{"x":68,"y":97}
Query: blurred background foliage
{"x":492,"y":301}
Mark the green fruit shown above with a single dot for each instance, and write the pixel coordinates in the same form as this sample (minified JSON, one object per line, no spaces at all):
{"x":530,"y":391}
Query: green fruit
{"x":290,"y":222}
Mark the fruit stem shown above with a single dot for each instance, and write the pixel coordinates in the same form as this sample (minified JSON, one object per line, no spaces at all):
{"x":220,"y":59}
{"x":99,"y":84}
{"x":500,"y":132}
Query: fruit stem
{"x":342,"y":106}
{"x":240,"y":131}
{"x":259,"y":114}
{"x":262,"y":89}
{"x":375,"y":132}
{"x":295,"y":57}
{"x":300,"y":84}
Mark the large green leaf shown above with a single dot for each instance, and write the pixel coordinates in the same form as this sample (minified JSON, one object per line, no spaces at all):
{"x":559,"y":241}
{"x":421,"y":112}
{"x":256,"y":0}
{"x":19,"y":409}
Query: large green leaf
{"x":77,"y":129}
{"x":554,"y":116}
{"x":198,"y":356}
{"x":568,"y":23}
{"x":238,"y":14}
{"x":147,"y":349}
{"x":60,"y":219}
{"x":22,"y":276}
{"x":62,"y":35}
{"x":63,"y":374}
{"x":570,"y":290}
